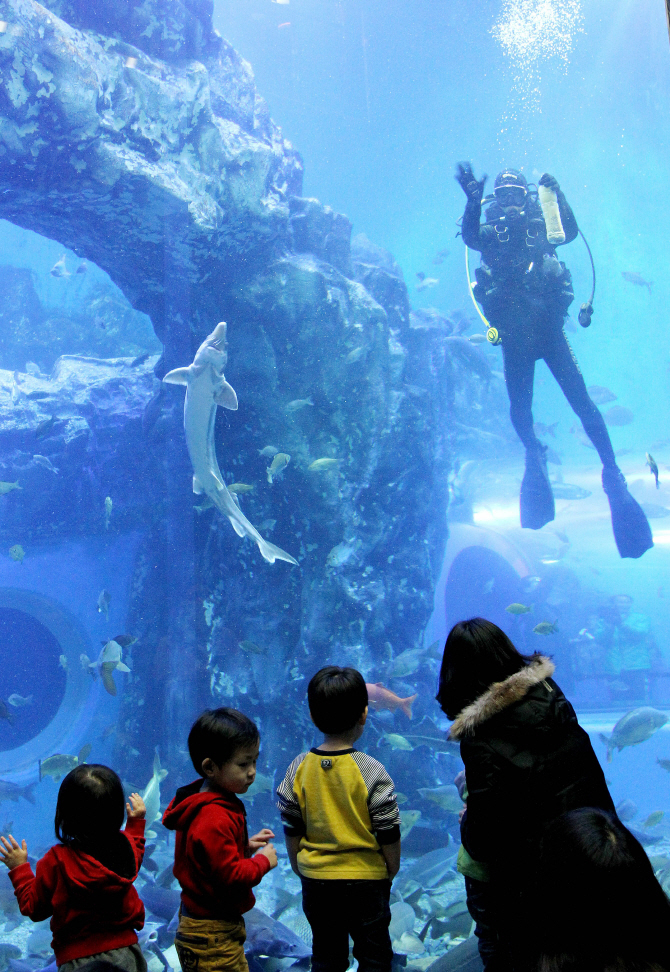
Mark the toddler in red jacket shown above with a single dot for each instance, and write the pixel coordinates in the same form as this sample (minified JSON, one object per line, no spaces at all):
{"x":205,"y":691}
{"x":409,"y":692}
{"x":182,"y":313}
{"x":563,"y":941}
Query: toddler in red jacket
{"x":213,"y":852}
{"x":85,"y":882}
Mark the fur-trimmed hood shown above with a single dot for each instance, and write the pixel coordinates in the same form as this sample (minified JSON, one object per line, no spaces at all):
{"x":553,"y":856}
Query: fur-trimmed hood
{"x":501,"y":695}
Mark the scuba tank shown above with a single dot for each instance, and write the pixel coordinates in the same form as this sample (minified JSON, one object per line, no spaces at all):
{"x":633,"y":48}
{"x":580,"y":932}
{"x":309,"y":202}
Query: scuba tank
{"x":552,"y":216}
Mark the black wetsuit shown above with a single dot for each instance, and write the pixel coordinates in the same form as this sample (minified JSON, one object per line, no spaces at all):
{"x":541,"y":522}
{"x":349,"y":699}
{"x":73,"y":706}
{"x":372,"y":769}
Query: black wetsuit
{"x":525,"y":291}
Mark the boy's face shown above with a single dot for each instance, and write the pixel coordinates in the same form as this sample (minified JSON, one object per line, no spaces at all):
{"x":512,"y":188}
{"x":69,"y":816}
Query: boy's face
{"x":237,"y":775}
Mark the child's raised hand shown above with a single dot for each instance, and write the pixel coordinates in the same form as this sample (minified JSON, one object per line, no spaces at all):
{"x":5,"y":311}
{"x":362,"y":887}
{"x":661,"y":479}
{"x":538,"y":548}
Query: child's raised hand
{"x":260,"y":839}
{"x":136,"y":807}
{"x":271,"y":854}
{"x":12,"y":854}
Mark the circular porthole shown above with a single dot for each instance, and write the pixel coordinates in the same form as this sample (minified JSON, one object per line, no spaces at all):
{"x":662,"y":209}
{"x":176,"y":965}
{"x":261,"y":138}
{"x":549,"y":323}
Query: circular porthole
{"x":47,"y":699}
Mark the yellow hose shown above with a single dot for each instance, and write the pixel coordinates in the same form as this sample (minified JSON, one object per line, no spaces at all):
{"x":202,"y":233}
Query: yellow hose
{"x":491,"y":332}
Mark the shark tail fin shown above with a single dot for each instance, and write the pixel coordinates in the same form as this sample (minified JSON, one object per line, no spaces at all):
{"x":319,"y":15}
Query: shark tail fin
{"x":178,"y":376}
{"x":271,"y":552}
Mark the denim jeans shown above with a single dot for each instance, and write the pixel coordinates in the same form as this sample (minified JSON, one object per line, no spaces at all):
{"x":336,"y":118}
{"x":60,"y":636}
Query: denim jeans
{"x":338,"y":909}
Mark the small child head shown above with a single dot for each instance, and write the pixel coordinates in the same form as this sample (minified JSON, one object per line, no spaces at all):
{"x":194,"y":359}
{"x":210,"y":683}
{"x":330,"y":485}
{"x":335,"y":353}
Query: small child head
{"x":90,"y":805}
{"x":337,"y":699}
{"x":223,"y":744}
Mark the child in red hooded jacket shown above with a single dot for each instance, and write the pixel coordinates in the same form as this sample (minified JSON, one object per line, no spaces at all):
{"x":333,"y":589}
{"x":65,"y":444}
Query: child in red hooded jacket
{"x":85,"y":883}
{"x":213,"y":861}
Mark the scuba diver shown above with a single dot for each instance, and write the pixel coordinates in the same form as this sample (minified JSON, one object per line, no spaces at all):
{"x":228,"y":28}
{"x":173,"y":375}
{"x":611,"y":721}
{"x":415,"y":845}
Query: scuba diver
{"x":525,"y":291}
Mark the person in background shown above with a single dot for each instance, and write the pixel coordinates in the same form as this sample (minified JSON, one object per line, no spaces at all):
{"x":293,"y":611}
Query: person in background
{"x":599,"y":907}
{"x":213,"y":852}
{"x":527,"y":760}
{"x":525,"y":291}
{"x":85,"y":882}
{"x":342,"y":829}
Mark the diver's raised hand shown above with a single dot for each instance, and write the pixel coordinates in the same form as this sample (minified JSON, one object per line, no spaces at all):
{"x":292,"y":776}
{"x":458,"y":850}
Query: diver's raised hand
{"x":465,"y":177}
{"x":549,"y":182}
{"x":12,"y":854}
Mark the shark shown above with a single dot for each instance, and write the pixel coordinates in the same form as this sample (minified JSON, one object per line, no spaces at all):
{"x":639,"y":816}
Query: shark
{"x":207,"y":388}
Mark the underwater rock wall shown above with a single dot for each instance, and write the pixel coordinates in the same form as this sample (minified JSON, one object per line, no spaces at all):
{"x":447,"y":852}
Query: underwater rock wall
{"x":171,"y":176}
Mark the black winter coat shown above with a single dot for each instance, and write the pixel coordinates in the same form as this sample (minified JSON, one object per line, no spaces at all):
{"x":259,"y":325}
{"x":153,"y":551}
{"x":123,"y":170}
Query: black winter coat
{"x":527,"y":760}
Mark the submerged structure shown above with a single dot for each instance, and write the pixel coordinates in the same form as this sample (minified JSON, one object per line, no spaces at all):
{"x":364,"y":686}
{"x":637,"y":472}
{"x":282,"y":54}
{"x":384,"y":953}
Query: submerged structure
{"x":355,"y":494}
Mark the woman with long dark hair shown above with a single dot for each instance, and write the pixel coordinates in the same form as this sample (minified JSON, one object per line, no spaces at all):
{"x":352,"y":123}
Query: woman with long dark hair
{"x":527,"y":761}
{"x":599,"y":907}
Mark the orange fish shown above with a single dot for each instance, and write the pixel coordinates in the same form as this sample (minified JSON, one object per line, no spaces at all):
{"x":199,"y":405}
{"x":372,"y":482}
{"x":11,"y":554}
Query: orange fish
{"x":383,"y":698}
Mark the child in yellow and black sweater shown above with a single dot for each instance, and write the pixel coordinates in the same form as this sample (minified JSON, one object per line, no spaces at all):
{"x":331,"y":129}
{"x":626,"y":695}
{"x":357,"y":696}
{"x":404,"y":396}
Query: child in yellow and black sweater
{"x":342,"y":829}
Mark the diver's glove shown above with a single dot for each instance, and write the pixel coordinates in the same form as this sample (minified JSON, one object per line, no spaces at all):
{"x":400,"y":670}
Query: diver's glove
{"x":549,"y":182}
{"x":465,"y":177}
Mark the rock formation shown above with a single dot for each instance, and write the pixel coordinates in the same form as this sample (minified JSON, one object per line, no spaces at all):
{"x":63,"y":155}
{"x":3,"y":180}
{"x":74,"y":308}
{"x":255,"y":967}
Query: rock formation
{"x":151,"y":154}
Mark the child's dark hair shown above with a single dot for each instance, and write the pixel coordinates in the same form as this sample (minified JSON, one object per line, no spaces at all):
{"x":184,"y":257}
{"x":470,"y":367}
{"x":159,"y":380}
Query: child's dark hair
{"x":477,"y":654}
{"x":217,"y":735}
{"x":337,"y":698}
{"x":89,"y":815}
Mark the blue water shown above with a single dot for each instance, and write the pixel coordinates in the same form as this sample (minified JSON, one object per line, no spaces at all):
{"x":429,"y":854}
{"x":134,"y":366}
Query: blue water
{"x":381,"y":98}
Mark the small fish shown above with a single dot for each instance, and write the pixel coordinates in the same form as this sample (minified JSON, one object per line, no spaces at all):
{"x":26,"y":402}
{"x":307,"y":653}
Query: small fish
{"x":626,"y":810}
{"x":654,"y":819}
{"x":108,"y":510}
{"x":262,"y":784}
{"x":355,"y":355}
{"x":618,"y":415}
{"x":108,"y":661}
{"x":85,"y":662}
{"x":440,"y":257}
{"x":400,"y":798}
{"x":62,"y":661}
{"x":517,"y":608}
{"x":654,"y":511}
{"x":8,"y":487}
{"x":600,"y":395}
{"x":637,"y":279}
{"x":17,"y":553}
{"x":541,"y":429}
{"x":446,"y":797}
{"x":546,"y":628}
{"x":83,"y":267}
{"x":425,"y":283}
{"x":12,"y":791}
{"x":319,"y":465}
{"x":562,"y":536}
{"x":488,"y":586}
{"x":103,"y":603}
{"x":32,"y":369}
{"x":396,"y":741}
{"x":5,"y":713}
{"x":44,"y":428}
{"x":552,"y":456}
{"x":382,"y":698}
{"x":46,"y":463}
{"x":477,"y":338}
{"x":342,"y":552}
{"x":267,"y":526}
{"x":664,"y":764}
{"x":569,"y":491}
{"x":297,"y":404}
{"x":62,"y":763}
{"x":252,"y":648}
{"x":268,"y":451}
{"x":239,"y":488}
{"x":140,"y":359}
{"x":651,"y":462}
{"x":408,"y":819}
{"x":59,"y":269}
{"x":633,"y":728}
{"x":18,"y":701}
{"x":279,"y":464}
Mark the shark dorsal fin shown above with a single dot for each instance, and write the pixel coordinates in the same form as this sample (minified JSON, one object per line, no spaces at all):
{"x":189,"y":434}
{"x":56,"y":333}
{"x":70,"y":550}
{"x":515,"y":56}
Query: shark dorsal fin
{"x":178,"y":376}
{"x":225,"y":396}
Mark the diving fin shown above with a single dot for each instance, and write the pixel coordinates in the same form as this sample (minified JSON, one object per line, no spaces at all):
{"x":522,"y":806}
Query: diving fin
{"x":630,"y":526}
{"x":536,"y":500}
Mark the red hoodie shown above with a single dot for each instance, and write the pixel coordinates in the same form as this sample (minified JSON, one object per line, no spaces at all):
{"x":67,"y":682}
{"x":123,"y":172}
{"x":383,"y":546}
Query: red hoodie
{"x":93,"y":909}
{"x":211,"y":853}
